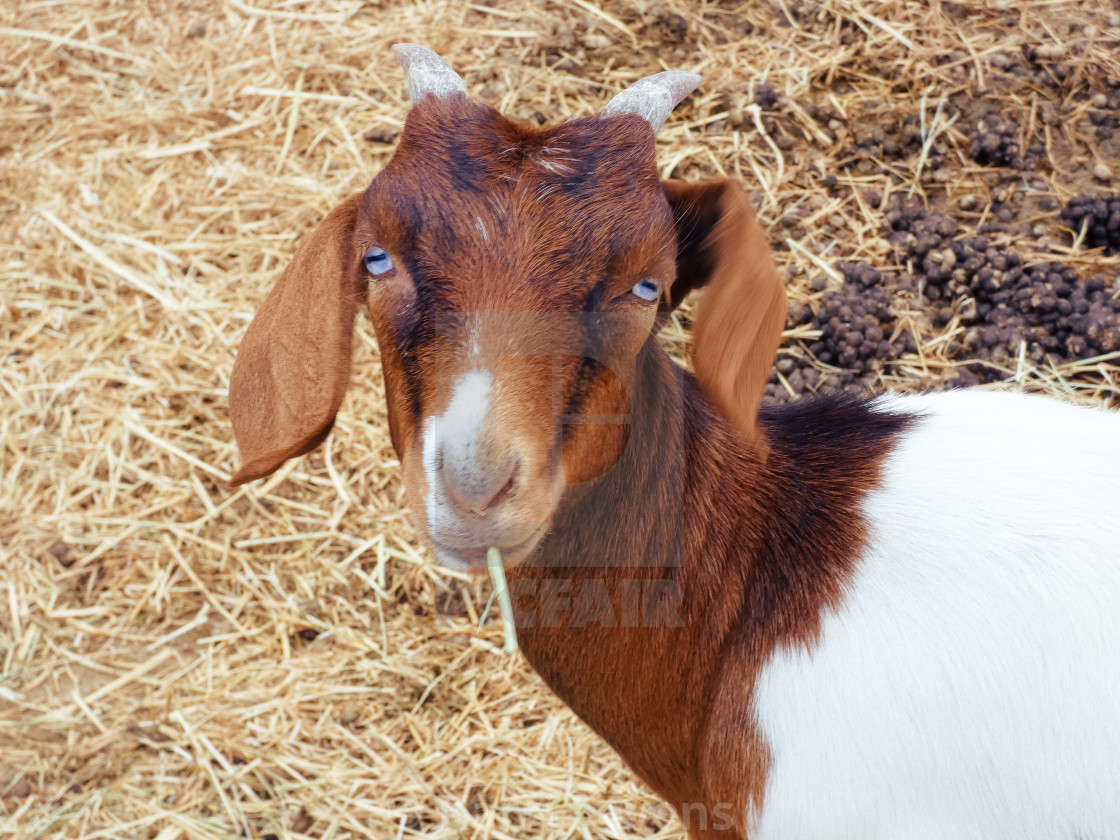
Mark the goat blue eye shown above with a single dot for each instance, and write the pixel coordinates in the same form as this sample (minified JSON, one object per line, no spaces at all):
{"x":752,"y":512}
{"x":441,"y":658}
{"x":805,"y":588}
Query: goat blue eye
{"x":377,"y":261}
{"x":647,"y":290}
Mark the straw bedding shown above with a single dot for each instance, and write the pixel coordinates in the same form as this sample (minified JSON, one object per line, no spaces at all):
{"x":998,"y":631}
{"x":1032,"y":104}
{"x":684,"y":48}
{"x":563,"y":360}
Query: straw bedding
{"x":178,"y":659}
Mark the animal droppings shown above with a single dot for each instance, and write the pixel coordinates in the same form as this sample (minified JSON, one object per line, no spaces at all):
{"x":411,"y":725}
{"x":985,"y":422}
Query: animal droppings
{"x":997,"y":144}
{"x":1098,"y":217}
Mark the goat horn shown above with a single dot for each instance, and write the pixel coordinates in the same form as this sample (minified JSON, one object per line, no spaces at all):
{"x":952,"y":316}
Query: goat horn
{"x":427,"y":73}
{"x":654,"y":97}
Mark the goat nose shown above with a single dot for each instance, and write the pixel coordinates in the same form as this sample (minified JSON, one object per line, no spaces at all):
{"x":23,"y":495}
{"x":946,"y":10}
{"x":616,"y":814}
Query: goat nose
{"x":478,"y":488}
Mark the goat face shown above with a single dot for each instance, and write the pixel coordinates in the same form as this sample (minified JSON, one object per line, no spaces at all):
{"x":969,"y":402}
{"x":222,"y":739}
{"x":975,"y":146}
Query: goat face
{"x":514,"y":278}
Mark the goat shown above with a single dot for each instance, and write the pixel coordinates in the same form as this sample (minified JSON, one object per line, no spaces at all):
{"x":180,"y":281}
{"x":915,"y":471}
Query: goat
{"x":841,"y":618}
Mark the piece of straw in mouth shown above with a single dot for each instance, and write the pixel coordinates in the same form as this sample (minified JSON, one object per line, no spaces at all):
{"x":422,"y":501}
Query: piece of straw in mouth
{"x":501,"y":591}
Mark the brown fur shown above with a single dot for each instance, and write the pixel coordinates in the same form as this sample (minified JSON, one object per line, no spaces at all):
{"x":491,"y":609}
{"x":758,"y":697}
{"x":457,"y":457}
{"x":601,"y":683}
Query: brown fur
{"x":748,"y":521}
{"x":759,"y":547}
{"x":744,"y":308}
{"x":294,"y":363}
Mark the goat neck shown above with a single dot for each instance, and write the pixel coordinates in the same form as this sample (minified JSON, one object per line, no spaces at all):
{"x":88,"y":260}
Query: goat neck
{"x":644,"y":688}
{"x":713,"y":550}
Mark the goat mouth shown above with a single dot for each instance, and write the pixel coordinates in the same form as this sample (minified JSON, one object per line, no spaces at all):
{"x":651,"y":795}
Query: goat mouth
{"x":473,"y":558}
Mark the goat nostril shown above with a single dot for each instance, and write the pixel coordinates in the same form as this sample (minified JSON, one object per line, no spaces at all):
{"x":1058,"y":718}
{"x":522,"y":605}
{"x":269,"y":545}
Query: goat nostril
{"x":481,"y":493}
{"x":506,"y":489}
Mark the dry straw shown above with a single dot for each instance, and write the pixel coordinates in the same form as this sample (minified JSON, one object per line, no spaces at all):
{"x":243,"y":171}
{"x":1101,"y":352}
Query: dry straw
{"x":183,"y":660}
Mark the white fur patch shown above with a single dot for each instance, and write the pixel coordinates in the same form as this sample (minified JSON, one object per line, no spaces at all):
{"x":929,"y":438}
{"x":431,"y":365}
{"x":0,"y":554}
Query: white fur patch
{"x":454,"y":437}
{"x":969,"y":685}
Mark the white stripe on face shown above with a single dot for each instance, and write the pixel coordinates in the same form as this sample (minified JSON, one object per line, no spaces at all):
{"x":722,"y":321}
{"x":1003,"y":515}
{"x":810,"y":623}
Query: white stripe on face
{"x":476,"y":326}
{"x":455,"y":437}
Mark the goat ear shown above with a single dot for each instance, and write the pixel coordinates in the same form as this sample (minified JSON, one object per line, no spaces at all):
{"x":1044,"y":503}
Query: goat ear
{"x":721,"y":245}
{"x":293,"y":365}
